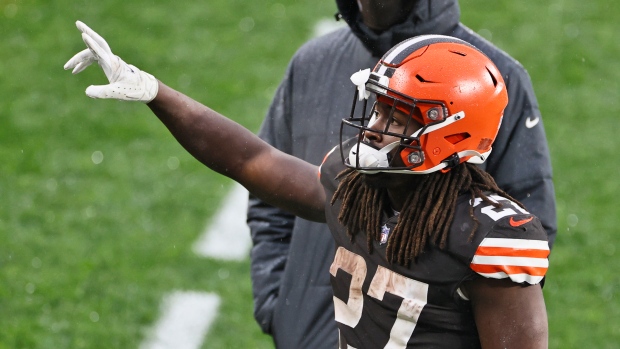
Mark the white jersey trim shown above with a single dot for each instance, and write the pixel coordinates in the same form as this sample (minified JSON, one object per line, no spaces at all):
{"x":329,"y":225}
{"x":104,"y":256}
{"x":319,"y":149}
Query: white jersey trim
{"x":515,"y":243}
{"x":511,"y":261}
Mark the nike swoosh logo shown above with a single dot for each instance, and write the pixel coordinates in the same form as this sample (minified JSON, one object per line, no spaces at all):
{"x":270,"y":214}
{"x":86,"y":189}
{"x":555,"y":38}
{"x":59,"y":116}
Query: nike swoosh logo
{"x":529,"y":123}
{"x":520,"y":222}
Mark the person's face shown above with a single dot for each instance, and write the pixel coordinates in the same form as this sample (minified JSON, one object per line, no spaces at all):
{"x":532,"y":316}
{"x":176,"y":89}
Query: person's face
{"x":398,"y":123}
{"x":380,"y":15}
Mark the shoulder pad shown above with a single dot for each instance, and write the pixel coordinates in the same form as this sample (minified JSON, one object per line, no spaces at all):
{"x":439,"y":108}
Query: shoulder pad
{"x":516,"y":247}
{"x":509,"y":242}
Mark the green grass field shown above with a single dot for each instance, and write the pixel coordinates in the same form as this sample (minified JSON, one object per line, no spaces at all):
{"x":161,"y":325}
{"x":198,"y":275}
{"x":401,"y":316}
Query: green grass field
{"x":99,"y":204}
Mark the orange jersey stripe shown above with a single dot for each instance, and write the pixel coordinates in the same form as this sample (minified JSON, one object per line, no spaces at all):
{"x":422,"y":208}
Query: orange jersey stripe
{"x":325,"y":158}
{"x":508,"y":269}
{"x":511,"y":252}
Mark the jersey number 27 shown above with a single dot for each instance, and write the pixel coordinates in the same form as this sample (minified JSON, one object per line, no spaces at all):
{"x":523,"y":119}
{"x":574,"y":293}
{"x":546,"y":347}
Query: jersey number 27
{"x":414,"y":294}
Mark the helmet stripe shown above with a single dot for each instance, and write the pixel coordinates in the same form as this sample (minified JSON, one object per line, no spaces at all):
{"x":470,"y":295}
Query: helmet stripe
{"x":401,"y":51}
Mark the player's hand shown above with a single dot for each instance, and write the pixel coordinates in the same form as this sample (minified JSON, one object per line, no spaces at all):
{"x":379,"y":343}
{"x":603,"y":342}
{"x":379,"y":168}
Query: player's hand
{"x":127,"y":82}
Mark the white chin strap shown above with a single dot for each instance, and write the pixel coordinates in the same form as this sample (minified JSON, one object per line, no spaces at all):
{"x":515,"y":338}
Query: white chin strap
{"x":371,"y":157}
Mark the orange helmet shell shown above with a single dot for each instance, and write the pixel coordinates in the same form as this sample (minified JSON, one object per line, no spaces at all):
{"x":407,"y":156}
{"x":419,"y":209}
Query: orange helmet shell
{"x":458,"y":91}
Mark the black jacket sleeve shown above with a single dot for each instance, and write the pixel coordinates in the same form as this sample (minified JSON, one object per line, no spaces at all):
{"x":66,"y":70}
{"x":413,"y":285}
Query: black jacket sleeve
{"x":520,"y":161}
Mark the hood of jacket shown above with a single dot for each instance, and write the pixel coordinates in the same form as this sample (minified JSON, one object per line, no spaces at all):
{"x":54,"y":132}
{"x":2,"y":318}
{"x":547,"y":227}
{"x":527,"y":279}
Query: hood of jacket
{"x":426,"y":17}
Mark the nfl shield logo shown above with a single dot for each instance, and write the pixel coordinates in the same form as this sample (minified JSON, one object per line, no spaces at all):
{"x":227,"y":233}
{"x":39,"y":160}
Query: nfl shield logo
{"x":385,"y":232}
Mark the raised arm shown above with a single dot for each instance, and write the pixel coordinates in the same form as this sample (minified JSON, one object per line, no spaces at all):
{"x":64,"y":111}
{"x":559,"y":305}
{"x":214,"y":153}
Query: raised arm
{"x":228,"y":148}
{"x":219,"y":143}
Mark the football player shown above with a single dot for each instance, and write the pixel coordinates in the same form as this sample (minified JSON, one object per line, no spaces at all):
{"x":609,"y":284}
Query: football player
{"x":431,"y":253}
{"x":291,"y":256}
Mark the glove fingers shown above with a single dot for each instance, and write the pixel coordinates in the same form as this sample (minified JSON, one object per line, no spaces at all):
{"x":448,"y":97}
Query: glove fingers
{"x":82,"y":56}
{"x":98,"y":38}
{"x":81,"y":66}
{"x":98,"y":91}
{"x":101,"y":56}
{"x":93,"y":46}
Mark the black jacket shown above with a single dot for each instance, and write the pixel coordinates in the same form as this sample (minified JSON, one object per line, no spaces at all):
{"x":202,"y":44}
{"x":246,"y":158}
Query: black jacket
{"x":291,"y":256}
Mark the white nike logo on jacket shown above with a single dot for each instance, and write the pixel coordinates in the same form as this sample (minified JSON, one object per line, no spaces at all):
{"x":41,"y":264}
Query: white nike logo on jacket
{"x":529,"y":122}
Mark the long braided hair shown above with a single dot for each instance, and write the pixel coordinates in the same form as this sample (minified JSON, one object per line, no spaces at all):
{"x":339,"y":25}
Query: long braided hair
{"x":427,"y":213}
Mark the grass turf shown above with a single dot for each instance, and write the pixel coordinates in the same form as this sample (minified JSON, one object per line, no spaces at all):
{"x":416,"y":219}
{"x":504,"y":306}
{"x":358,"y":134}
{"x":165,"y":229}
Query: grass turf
{"x":100,"y":205}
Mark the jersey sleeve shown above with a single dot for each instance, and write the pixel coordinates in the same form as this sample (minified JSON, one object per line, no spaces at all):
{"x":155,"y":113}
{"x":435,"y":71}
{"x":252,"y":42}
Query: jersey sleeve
{"x":516,"y":247}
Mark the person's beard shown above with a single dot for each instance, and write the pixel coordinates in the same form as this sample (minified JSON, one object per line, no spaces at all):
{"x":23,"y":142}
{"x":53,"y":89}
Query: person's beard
{"x":379,"y":180}
{"x":386,"y":180}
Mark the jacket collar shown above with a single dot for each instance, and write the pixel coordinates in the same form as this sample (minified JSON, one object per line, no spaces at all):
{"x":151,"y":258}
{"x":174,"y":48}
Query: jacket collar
{"x":427,"y":17}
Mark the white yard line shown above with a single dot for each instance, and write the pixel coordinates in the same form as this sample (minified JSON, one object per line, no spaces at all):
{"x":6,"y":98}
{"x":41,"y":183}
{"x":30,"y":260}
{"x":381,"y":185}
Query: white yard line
{"x":185,"y":321}
{"x":227,"y":237}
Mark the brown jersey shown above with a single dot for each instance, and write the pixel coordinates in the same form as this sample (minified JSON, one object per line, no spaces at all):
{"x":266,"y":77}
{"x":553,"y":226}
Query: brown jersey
{"x":384,"y":305}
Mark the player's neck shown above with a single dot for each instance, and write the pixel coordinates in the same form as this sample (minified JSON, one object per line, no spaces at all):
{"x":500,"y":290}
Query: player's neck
{"x":398,"y":186}
{"x":398,"y":195}
{"x":397,"y":199}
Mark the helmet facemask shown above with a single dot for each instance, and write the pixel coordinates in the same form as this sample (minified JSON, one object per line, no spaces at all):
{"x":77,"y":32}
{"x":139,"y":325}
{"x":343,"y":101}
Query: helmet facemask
{"x":403,"y":155}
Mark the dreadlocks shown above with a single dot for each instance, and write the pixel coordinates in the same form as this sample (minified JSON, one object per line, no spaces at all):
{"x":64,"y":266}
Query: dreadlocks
{"x":427,"y":213}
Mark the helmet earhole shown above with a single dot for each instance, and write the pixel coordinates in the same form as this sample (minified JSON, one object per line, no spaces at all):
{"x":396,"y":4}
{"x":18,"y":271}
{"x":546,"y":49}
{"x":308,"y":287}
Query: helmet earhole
{"x":416,"y":157}
{"x":433,"y":114}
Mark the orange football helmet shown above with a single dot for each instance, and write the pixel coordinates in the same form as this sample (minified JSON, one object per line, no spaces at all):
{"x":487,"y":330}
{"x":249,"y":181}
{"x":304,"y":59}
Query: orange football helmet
{"x":445,"y":84}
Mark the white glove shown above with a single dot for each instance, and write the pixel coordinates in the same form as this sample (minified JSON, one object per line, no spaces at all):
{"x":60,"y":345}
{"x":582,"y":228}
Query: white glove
{"x":127,"y":82}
